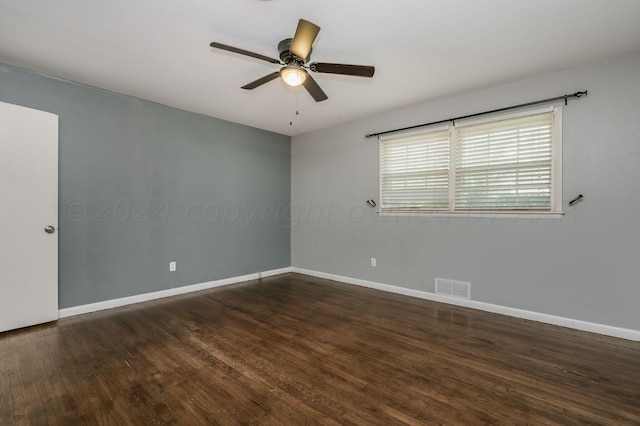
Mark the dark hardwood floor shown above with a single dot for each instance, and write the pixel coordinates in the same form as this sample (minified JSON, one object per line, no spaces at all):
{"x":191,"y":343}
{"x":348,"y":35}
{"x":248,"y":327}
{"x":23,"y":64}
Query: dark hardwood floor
{"x":296,"y":350}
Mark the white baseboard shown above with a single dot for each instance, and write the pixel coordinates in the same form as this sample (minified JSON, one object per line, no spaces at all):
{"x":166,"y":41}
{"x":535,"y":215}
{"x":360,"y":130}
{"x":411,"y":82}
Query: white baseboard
{"x":607,"y":330}
{"x":130,"y":300}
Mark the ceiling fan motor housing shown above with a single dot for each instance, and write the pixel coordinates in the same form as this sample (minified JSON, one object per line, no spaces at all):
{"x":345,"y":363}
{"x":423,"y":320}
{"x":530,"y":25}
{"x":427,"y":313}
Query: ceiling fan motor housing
{"x":284,"y":48}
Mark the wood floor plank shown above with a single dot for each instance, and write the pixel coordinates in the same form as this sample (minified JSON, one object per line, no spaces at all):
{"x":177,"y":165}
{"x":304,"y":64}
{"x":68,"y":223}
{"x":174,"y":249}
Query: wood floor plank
{"x":293,"y":349}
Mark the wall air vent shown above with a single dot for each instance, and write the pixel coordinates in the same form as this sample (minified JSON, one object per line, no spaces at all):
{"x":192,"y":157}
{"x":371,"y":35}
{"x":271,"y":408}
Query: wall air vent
{"x":453,"y":288}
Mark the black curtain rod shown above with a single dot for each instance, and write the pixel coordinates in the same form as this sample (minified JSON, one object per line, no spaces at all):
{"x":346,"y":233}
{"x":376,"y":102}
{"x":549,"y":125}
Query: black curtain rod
{"x":544,"y":101}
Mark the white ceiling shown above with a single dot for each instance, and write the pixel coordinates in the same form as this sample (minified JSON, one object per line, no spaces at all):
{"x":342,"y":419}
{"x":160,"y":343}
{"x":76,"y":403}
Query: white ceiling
{"x":422,"y":50}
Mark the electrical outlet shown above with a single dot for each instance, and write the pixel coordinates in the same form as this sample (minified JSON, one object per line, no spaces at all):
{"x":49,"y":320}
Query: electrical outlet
{"x":373,"y":262}
{"x":172,"y":266}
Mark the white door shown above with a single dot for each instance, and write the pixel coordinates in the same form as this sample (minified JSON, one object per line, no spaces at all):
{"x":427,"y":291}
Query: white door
{"x":28,"y":216}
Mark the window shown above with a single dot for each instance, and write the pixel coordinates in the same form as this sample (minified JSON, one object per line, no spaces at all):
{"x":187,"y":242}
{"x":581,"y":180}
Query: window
{"x":506,"y":165}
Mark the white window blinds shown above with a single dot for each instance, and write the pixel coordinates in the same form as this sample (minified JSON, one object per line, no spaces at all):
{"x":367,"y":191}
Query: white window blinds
{"x":505,"y":164}
{"x":415,"y":172}
{"x":502,"y":165}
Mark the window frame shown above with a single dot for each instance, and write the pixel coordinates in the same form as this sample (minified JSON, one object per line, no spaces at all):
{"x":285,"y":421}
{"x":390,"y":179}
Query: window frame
{"x":555,"y":208}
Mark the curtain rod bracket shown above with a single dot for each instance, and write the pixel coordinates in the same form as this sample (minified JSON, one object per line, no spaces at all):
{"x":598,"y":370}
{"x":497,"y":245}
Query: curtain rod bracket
{"x":575,"y":200}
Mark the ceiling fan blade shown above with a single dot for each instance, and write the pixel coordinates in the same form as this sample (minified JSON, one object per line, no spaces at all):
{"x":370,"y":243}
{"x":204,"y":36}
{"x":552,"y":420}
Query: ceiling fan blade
{"x":262,"y":80}
{"x":243,"y":52}
{"x":314,"y":90}
{"x":306,"y":33}
{"x":345,"y":69}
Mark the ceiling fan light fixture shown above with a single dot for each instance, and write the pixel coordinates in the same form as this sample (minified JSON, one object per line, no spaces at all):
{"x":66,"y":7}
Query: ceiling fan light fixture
{"x":293,"y":75}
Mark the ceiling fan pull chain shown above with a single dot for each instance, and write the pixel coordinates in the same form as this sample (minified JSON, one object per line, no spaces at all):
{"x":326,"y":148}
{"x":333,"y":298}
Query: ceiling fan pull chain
{"x":297,"y":103}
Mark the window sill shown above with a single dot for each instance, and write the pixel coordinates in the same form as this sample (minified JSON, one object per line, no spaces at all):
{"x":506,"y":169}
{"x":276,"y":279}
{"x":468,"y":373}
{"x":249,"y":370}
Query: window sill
{"x":479,"y":215}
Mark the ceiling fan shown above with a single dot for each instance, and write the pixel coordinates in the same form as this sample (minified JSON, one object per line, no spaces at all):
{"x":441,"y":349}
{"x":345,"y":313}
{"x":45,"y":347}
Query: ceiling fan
{"x":295,"y":53}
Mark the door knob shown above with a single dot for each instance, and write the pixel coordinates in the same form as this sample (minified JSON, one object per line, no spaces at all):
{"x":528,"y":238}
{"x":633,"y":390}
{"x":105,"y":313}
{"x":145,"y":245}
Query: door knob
{"x":49,"y":229}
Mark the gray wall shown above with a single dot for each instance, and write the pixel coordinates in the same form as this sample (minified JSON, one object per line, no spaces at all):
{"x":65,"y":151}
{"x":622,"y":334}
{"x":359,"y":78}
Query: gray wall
{"x":584,"y":266}
{"x":142,"y":184}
